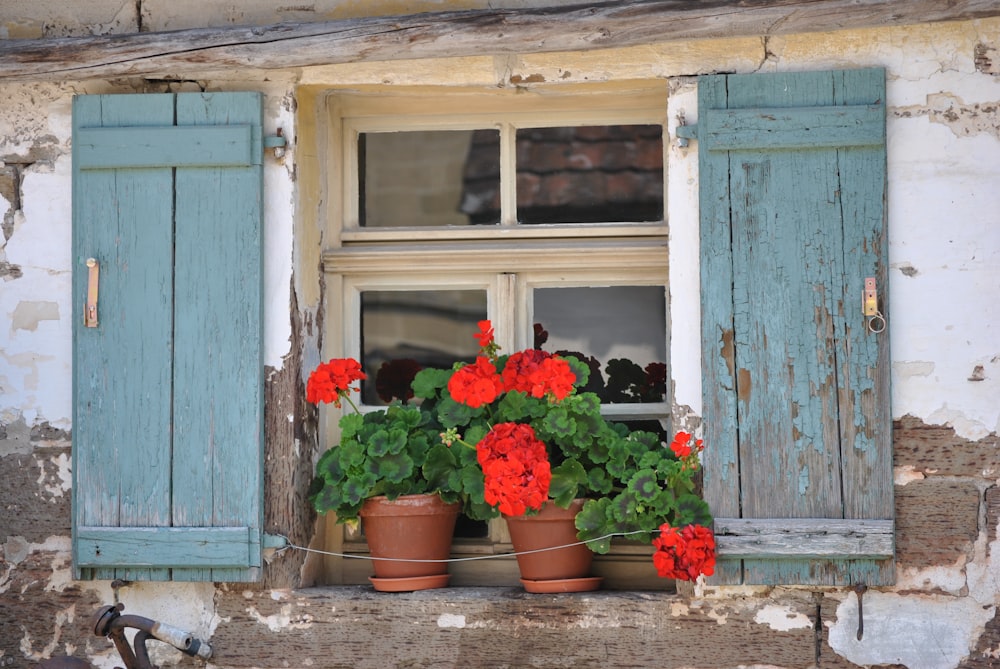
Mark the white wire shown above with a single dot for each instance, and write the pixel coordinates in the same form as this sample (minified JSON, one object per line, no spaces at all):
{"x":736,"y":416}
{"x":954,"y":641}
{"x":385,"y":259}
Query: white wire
{"x":353,"y":556}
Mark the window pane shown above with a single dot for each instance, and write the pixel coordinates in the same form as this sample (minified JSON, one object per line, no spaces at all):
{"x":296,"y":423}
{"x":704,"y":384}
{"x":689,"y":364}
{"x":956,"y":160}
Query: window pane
{"x":619,"y":330}
{"x":590,"y":174}
{"x":424,"y":178}
{"x":405,"y":329}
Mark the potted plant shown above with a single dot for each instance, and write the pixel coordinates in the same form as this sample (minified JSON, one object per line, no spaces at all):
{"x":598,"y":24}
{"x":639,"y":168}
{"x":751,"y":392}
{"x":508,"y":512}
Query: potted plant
{"x":545,"y":449}
{"x":391,"y":470}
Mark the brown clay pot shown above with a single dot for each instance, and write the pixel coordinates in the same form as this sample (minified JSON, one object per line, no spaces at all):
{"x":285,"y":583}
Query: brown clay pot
{"x":560,"y":570}
{"x":412,"y":527}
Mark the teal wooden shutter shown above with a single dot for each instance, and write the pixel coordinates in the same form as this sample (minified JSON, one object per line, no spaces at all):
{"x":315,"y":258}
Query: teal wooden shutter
{"x":798,"y":464}
{"x":168,"y":410}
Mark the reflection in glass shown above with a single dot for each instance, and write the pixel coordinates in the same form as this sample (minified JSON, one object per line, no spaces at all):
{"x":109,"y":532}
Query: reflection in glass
{"x":404,"y":331}
{"x":590,"y":174}
{"x":429,"y":178}
{"x":620,"y":331}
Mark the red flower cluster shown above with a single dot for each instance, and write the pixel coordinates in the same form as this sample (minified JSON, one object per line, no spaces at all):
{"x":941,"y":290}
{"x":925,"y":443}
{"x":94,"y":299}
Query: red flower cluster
{"x":684,"y":554}
{"x":476,"y":384}
{"x":682,"y":446}
{"x":332,"y":380}
{"x":516,"y":466}
{"x":538,"y":373}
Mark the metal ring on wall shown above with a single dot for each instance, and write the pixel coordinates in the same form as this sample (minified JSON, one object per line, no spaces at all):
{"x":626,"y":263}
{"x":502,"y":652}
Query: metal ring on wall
{"x":876,"y":323}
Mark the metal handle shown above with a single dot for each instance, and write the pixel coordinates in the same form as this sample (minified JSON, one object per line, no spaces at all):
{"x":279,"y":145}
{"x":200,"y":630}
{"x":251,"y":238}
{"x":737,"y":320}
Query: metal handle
{"x":869,"y":307}
{"x":93,"y":281}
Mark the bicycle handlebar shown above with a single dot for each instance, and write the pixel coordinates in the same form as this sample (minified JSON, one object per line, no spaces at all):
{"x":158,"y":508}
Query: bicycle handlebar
{"x":109,"y":621}
{"x":181,"y":640}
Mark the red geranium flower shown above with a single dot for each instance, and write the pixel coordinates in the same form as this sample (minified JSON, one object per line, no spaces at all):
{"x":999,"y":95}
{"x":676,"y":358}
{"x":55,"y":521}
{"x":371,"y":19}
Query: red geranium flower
{"x":538,"y":373}
{"x":476,"y":384}
{"x":485,"y":334}
{"x":682,"y":446}
{"x":686,"y":554}
{"x":516,"y":468}
{"x":332,"y":380}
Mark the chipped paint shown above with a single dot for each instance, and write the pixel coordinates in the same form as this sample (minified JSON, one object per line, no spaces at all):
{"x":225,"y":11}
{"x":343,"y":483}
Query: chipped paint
{"x":782,"y":618}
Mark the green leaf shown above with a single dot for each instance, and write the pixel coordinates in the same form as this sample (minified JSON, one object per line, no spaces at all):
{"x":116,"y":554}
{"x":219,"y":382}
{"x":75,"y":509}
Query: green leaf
{"x":581,"y":370}
{"x":644,"y":486}
{"x":455,"y":414}
{"x":380,"y":443}
{"x":357,"y":489}
{"x":598,"y":481}
{"x":558,"y":423}
{"x":350,"y":425}
{"x":439,"y":467}
{"x":692,"y":509}
{"x":394,"y":467}
{"x":352,"y":454}
{"x":592,"y":524}
{"x":428,"y":382}
{"x":567,"y":480}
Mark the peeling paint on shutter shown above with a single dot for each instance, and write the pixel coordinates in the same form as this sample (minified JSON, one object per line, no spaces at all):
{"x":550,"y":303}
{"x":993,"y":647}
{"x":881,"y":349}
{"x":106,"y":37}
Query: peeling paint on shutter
{"x":168,"y":408}
{"x":798,"y":464}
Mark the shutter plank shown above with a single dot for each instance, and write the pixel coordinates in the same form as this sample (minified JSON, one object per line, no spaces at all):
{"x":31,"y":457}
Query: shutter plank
{"x":721,"y":455}
{"x":793,"y":128}
{"x":218,"y":358}
{"x":101,"y":148}
{"x":164,"y":547}
{"x":121,"y":424}
{"x":804,"y":537}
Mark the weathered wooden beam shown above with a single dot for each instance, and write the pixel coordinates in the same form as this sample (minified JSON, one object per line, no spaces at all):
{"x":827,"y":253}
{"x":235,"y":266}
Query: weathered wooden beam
{"x":186,"y":53}
{"x":804,"y":537}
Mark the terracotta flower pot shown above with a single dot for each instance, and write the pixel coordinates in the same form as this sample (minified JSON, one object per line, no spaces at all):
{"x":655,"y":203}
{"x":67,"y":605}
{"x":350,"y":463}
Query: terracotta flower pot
{"x":559,"y":570}
{"x":411,"y":527}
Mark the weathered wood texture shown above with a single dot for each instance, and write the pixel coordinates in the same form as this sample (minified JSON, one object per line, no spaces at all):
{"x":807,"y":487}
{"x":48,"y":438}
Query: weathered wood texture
{"x":168,"y":399}
{"x":289,"y":442}
{"x":796,"y":390}
{"x":497,"y":627}
{"x":457,"y":33}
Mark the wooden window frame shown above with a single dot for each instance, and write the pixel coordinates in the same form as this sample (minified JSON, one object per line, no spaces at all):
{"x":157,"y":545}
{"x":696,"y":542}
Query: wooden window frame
{"x":508,"y":259}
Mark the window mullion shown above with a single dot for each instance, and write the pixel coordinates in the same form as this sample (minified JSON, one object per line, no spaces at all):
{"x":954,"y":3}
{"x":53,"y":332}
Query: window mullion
{"x":508,"y":175}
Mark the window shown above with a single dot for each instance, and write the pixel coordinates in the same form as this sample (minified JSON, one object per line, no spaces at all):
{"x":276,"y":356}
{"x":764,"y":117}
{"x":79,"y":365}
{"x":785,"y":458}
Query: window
{"x":540,"y":210}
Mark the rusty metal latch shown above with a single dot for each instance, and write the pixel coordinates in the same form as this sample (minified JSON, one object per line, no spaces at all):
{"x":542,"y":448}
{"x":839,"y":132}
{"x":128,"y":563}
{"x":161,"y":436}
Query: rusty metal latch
{"x":860,"y":589}
{"x":869,"y":307}
{"x":93,"y":281}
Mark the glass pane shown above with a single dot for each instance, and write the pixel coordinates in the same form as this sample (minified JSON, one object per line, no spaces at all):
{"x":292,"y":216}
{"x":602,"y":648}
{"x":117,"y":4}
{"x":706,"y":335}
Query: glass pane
{"x":404,"y":331}
{"x":590,"y":174}
{"x":425,"y":178}
{"x":620,"y":331}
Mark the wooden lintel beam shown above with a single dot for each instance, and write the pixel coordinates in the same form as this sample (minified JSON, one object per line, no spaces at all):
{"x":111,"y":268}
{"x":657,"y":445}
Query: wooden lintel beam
{"x":595,"y":25}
